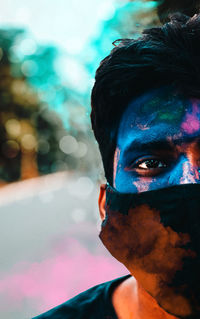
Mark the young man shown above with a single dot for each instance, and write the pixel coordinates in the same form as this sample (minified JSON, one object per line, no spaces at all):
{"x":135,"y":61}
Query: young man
{"x":146,"y":119}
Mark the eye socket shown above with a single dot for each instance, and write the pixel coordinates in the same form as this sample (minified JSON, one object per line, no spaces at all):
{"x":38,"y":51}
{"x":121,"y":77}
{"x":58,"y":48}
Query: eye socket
{"x":149,"y":166}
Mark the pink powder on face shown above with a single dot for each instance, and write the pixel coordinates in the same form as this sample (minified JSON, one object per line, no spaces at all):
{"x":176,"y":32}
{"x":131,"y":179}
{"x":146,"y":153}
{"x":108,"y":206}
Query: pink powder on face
{"x":142,"y":185}
{"x":189,"y":175}
{"x":192,"y":122}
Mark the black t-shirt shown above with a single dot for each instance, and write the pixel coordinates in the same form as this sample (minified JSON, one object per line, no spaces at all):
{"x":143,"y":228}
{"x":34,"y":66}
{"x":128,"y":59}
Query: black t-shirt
{"x":94,"y":303}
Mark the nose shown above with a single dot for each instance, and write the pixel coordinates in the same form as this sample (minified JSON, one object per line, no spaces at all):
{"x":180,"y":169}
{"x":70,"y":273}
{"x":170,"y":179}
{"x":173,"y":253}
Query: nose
{"x":185,"y":172}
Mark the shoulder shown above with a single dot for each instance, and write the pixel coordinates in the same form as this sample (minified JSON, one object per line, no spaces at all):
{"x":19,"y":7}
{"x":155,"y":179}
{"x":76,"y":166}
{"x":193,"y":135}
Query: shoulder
{"x":91,"y":303}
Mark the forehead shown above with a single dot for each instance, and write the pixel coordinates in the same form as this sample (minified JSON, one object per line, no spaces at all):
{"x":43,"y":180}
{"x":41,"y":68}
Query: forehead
{"x":159,"y":114}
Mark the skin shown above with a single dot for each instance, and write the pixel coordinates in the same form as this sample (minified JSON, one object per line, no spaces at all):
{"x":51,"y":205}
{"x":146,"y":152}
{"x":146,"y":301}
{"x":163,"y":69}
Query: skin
{"x":158,"y":145}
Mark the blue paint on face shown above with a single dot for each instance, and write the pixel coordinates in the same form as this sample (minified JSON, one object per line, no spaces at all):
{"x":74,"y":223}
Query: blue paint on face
{"x":158,"y":143}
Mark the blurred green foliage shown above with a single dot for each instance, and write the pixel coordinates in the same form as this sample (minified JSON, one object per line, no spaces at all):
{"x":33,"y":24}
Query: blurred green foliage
{"x":33,"y":137}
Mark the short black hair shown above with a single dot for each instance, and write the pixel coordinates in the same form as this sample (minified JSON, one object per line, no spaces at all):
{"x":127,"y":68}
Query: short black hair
{"x":166,"y":7}
{"x":164,"y":55}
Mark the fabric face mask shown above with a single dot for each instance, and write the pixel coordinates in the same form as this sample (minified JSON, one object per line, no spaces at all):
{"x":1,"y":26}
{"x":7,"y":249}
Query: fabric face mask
{"x":156,"y":235}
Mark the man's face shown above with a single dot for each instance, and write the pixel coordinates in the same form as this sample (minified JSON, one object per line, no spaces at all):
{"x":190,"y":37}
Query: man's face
{"x":158,"y":143}
{"x":158,"y":146}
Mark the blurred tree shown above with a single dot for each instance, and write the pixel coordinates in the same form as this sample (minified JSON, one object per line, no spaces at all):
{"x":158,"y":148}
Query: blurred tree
{"x":33,"y":138}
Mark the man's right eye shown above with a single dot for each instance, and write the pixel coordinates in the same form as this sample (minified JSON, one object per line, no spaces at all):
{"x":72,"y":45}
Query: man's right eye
{"x":150,"y":164}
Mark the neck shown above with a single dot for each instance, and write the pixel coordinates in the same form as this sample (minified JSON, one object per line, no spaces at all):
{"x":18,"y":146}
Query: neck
{"x":131,"y":301}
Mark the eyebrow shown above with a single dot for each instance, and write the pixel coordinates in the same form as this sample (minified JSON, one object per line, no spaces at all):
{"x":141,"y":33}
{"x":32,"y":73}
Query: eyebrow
{"x":149,"y":145}
{"x":159,"y":144}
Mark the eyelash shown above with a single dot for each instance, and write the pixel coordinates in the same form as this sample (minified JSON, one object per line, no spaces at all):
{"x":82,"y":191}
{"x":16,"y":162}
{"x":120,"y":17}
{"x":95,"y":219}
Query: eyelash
{"x":148,"y":171}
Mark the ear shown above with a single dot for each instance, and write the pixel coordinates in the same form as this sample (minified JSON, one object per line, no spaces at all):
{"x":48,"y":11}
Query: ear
{"x":102,"y":201}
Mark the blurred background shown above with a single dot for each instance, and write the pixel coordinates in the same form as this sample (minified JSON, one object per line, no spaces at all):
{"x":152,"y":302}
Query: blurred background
{"x":50,"y":168}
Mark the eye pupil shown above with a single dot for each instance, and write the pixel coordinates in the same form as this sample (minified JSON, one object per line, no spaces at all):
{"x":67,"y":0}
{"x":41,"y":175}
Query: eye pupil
{"x":152,"y":163}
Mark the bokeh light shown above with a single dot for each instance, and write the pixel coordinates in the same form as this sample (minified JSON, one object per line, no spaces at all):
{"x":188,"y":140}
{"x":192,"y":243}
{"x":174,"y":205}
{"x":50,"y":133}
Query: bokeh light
{"x":81,"y":150}
{"x":68,"y":144}
{"x":28,"y":142}
{"x":82,"y":187}
{"x":78,"y":215}
{"x":13,"y":127}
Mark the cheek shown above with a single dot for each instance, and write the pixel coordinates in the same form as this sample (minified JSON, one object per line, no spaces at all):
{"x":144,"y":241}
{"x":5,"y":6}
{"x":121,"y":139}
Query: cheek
{"x":124,"y":182}
{"x":141,"y":240}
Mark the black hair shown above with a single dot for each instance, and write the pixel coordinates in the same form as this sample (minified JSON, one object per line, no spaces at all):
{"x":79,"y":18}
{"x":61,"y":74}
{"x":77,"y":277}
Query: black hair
{"x":165,"y":55}
{"x":166,"y":7}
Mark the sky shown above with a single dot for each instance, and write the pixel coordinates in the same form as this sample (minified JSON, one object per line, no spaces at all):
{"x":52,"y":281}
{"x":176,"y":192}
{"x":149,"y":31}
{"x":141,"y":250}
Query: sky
{"x":68,"y":24}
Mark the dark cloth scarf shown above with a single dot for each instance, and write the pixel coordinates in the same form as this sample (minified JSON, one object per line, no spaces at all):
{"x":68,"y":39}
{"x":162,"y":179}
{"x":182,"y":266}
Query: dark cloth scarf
{"x":156,"y":235}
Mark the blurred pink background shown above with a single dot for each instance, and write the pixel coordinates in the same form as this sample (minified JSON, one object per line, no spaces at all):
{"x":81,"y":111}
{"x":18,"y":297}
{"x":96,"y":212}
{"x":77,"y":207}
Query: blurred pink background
{"x":49,"y":244}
